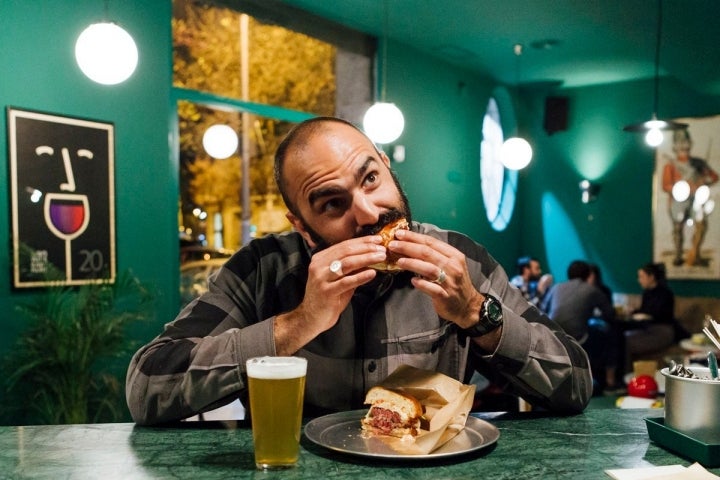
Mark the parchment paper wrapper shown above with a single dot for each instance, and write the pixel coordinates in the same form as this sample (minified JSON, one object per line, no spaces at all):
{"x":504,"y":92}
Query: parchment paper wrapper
{"x":447,"y":403}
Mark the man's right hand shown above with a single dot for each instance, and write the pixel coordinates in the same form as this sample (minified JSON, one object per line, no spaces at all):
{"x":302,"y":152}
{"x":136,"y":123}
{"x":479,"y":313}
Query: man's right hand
{"x":328,"y":291}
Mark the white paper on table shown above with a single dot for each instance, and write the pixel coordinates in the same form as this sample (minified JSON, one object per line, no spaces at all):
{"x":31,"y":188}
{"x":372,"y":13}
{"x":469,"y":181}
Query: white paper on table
{"x":667,"y":472}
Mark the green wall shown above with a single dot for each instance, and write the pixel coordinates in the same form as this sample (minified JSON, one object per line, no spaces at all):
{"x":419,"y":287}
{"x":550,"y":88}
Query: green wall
{"x":615,"y":231}
{"x":40,"y":73}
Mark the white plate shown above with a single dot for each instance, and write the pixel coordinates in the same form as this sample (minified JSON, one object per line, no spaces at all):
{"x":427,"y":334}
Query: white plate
{"x":688,"y":345}
{"x":341,"y":432}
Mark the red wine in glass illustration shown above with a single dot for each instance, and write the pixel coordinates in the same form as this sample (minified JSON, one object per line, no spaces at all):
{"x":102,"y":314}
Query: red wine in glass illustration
{"x":67,"y":215}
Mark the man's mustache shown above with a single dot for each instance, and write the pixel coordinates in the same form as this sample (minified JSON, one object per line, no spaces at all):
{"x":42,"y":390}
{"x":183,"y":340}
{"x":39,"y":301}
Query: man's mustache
{"x":385,"y":218}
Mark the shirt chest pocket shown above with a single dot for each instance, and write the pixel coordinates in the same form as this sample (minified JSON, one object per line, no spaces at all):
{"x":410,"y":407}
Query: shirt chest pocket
{"x":426,"y":344}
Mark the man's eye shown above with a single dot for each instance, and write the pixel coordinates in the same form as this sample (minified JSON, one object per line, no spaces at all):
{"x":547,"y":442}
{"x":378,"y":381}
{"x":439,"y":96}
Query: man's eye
{"x":371,"y":178}
{"x":332,"y":205}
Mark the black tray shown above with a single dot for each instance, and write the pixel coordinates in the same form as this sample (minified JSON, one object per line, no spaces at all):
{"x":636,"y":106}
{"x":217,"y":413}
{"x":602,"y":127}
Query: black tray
{"x":702,"y":446}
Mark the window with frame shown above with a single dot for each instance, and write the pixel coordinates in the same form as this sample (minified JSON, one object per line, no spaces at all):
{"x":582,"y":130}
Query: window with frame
{"x":498,"y":184}
{"x":248,"y":70}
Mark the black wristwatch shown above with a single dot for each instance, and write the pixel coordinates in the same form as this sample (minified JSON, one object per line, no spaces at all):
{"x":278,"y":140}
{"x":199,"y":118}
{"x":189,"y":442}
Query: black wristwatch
{"x":491,"y":317}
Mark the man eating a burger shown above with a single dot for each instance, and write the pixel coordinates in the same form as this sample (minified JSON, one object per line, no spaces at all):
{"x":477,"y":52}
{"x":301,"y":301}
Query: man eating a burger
{"x":357,"y":288}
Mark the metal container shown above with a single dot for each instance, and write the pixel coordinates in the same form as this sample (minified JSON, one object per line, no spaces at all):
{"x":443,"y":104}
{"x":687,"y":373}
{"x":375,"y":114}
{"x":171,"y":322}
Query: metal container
{"x":692,"y":404}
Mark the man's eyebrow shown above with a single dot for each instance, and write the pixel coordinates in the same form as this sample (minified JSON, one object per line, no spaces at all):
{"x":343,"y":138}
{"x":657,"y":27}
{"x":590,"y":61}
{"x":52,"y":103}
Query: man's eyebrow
{"x":330,"y":191}
{"x":315,"y":195}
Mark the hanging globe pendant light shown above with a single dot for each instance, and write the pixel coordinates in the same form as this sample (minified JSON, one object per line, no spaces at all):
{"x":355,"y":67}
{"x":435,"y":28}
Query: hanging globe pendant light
{"x":383,"y":122}
{"x":220,"y":141}
{"x":106,"y":53}
{"x":515,"y":152}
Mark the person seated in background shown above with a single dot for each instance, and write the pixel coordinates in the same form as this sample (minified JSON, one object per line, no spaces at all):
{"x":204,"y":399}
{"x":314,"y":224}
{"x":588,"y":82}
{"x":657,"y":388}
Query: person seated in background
{"x":596,"y":279}
{"x":657,"y":309}
{"x":530,"y":280}
{"x":605,"y":336}
{"x":572,"y":305}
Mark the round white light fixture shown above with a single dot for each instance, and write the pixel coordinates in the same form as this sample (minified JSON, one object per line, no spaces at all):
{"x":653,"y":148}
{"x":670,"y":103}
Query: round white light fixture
{"x":106,"y":53}
{"x":515,"y":153}
{"x":220,"y":141}
{"x":654,"y":136}
{"x":383,"y":122}
{"x":681,"y":191}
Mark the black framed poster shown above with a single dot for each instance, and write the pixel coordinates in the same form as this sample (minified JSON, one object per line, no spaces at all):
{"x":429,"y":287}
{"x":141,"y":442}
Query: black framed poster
{"x":62,"y":199}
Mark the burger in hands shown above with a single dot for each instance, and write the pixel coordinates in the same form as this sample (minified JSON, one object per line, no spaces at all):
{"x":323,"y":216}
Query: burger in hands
{"x":391,"y":413}
{"x":388,"y":233}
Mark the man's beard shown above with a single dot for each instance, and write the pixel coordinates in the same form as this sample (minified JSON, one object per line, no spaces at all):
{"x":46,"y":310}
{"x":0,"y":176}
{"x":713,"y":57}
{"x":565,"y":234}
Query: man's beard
{"x":385,"y":218}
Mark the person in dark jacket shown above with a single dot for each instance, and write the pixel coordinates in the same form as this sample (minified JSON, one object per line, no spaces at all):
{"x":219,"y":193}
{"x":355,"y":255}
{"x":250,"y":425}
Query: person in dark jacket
{"x":656,"y":311}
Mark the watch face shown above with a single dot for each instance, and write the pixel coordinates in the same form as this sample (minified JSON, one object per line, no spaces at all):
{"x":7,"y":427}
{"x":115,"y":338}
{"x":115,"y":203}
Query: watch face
{"x":493,"y":310}
{"x":490,"y":318}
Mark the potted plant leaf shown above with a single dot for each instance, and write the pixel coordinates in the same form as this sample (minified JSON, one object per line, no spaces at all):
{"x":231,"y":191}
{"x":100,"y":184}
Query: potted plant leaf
{"x":60,"y":368}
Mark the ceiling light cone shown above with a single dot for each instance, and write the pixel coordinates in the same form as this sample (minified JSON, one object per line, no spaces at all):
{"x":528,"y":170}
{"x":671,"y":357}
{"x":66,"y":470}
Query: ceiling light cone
{"x":654,"y":124}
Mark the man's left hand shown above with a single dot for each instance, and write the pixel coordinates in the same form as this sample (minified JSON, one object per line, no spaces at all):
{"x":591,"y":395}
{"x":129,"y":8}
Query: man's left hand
{"x":442,"y":273}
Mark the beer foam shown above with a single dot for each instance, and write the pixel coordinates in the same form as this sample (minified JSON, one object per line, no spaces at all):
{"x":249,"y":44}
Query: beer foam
{"x":276,"y":368}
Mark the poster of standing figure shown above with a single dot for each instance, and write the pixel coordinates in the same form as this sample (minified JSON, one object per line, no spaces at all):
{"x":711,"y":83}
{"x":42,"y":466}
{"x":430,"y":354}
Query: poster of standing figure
{"x":685,"y":195}
{"x":62,"y":199}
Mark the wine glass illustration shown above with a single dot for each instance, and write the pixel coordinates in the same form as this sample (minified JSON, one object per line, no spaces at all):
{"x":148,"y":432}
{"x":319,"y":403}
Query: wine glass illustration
{"x":67,"y":215}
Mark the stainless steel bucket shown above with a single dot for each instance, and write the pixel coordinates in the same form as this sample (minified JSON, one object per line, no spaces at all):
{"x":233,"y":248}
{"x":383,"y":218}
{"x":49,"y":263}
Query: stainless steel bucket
{"x":692,"y":404}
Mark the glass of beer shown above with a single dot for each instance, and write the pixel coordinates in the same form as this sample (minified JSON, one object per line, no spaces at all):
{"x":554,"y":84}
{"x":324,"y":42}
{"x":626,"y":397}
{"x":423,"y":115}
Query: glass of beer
{"x":277,"y":387}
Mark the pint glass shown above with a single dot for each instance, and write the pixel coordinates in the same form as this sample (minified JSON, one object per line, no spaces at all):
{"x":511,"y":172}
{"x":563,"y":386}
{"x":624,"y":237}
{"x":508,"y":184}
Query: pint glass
{"x":276,"y":386}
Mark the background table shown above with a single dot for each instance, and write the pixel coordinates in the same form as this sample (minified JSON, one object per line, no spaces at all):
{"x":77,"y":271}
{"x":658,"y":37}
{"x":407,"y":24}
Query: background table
{"x":531,"y":446}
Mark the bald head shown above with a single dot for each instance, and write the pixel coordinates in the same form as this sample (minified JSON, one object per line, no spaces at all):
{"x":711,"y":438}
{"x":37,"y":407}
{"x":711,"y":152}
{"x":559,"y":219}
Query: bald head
{"x":335,"y":182}
{"x":295,"y":142}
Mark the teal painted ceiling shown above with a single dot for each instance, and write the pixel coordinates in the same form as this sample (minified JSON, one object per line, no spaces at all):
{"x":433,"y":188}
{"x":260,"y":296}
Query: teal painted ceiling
{"x":592,"y":41}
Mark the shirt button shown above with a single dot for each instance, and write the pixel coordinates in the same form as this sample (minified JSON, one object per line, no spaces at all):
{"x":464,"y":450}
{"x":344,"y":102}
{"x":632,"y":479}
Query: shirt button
{"x":372,"y":366}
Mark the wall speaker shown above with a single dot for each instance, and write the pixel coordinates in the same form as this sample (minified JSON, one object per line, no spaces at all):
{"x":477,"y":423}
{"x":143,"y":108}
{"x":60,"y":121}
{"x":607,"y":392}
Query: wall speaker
{"x":556,"y":114}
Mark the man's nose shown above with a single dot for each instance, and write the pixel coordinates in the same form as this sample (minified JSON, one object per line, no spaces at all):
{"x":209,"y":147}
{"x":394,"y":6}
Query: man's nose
{"x":365,"y":211}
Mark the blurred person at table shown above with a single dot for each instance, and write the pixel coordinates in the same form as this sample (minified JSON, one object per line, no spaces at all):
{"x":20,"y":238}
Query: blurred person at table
{"x":530,"y":280}
{"x":596,"y":279}
{"x":694,"y":209}
{"x":607,"y":336}
{"x":574,"y":305}
{"x":659,"y":328}
{"x":312,"y":293}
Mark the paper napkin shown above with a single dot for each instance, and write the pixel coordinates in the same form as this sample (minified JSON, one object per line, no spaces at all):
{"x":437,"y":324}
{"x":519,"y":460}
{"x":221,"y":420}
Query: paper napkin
{"x":667,"y":472}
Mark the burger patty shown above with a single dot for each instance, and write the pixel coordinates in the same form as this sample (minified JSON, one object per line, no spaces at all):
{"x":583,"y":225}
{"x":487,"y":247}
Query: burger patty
{"x":385,"y":420}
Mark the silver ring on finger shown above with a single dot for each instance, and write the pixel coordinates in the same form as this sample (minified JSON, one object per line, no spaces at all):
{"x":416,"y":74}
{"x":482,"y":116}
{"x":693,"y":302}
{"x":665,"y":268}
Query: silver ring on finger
{"x":440,"y":278}
{"x":336,"y":268}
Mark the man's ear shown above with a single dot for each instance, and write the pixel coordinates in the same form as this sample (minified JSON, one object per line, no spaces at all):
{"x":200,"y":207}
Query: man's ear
{"x":385,"y":159}
{"x":299,"y":227}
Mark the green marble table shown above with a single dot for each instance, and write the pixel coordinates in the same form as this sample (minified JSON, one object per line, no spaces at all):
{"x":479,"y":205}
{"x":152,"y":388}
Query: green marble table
{"x":531,"y":446}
